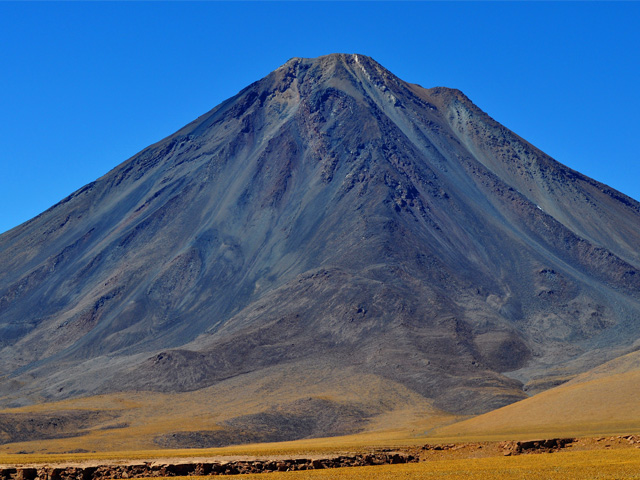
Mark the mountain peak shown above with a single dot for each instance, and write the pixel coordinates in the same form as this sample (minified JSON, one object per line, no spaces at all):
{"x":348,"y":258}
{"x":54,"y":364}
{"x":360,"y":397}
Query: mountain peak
{"x":345,"y":58}
{"x":329,"y":214}
{"x":359,"y":67}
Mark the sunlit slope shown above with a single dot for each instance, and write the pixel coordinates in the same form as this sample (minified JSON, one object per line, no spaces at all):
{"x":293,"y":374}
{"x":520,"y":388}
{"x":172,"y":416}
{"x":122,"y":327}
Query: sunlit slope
{"x":605,"y":400}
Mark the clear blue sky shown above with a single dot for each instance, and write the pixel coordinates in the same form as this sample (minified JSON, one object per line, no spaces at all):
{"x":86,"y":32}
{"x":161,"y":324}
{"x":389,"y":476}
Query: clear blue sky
{"x":84,"y":86}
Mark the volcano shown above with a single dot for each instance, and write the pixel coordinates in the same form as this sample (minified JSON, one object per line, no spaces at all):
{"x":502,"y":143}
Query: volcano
{"x":330,"y":221}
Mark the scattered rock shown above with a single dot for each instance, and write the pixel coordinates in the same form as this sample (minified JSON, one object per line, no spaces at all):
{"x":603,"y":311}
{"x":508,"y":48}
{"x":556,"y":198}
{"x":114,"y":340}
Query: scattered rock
{"x":107,"y":472}
{"x":535,"y":446}
{"x":448,"y":446}
{"x":26,"y":474}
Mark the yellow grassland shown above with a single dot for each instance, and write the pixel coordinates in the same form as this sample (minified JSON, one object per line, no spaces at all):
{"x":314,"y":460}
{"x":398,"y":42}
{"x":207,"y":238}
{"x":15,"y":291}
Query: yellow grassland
{"x":614,"y":464}
{"x":313,"y":448}
{"x":603,"y":401}
{"x":619,"y":464}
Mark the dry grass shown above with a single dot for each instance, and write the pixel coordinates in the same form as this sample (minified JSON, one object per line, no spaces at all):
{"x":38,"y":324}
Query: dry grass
{"x":617,"y":464}
{"x":316,"y":447}
{"x":587,"y":406}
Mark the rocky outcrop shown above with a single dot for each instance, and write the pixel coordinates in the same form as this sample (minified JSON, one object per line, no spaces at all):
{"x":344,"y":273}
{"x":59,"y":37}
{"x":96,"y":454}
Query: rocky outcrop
{"x":535,"y":446}
{"x":144,"y":470}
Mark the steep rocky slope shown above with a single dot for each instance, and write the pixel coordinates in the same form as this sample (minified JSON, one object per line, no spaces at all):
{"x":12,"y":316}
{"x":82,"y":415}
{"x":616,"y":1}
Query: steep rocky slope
{"x":329,"y":214}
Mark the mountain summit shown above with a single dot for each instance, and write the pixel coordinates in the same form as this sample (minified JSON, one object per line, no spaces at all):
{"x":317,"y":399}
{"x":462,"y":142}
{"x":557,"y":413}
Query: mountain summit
{"x":329,"y":219}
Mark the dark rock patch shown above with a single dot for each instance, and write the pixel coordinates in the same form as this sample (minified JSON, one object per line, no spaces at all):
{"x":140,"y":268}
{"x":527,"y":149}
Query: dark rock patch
{"x":535,"y":446}
{"x":21,"y":427}
{"x":307,"y":418}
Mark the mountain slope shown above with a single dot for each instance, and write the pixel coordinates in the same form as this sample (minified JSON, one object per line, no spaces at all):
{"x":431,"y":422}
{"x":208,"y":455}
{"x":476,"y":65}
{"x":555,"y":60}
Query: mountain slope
{"x":598,"y":402}
{"x":329,"y":213}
